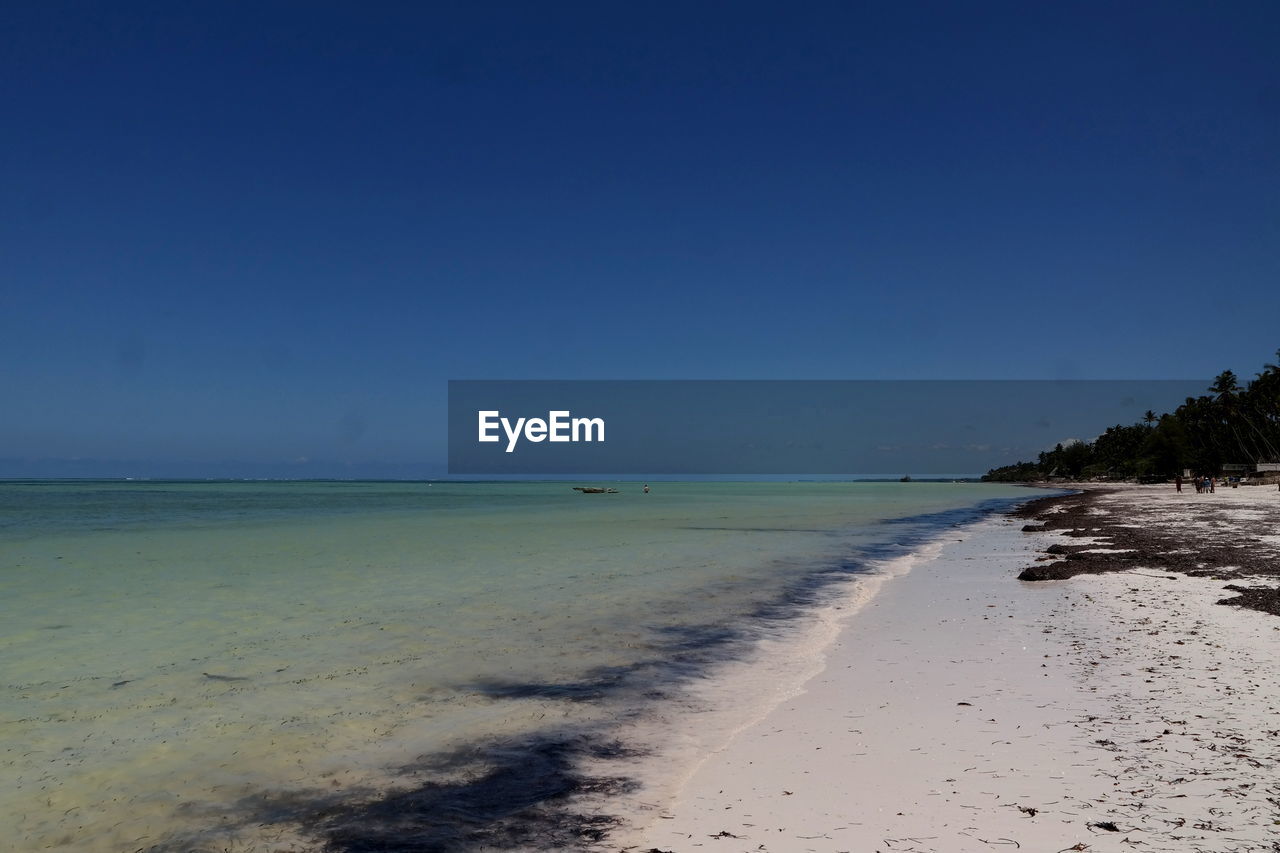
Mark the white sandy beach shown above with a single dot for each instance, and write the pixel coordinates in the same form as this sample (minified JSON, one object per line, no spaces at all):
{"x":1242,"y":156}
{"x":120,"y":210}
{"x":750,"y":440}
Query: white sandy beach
{"x":963,"y":710}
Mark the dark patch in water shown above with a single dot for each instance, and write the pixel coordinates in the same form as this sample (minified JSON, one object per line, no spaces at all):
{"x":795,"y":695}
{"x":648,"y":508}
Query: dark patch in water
{"x":684,"y":652}
{"x":517,"y":802}
{"x":768,"y":530}
{"x":594,"y":685}
{"x":508,"y":796}
{"x":213,"y":677}
{"x":691,"y":638}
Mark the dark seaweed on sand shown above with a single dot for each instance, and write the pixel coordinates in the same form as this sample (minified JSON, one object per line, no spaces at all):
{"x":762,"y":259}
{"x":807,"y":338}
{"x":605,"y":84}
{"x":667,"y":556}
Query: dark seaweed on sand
{"x":1219,"y":548}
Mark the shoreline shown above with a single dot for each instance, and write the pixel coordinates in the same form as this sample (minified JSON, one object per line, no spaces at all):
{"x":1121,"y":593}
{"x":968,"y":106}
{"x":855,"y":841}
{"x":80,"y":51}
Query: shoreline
{"x":678,"y":738}
{"x":962,"y":709}
{"x":870,"y":641}
{"x":379,"y":679}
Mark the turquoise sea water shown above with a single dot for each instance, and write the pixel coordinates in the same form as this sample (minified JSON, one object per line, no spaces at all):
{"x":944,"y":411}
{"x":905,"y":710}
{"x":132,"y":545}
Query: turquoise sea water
{"x":270,"y":665}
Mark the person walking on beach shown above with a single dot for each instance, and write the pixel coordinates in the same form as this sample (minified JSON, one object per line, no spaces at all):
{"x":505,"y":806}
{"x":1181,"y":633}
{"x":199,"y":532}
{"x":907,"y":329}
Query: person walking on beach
{"x":1177,"y":483}
{"x":1213,"y":481}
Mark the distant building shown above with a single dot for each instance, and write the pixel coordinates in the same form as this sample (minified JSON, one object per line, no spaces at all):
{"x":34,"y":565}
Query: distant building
{"x":1250,"y":467}
{"x":1244,"y":469}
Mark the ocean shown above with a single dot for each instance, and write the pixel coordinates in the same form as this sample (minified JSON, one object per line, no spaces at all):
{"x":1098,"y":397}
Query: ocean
{"x":359,"y":666}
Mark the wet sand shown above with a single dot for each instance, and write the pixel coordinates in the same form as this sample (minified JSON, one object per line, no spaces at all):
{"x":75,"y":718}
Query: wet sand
{"x":963,"y":709}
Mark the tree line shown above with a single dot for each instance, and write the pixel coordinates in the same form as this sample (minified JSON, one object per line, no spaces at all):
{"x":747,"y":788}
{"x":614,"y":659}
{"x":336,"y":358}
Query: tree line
{"x":1229,"y":424}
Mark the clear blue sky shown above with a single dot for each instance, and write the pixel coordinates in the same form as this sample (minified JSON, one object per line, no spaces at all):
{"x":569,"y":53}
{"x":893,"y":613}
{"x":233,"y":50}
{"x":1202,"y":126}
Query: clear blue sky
{"x":261,"y":232}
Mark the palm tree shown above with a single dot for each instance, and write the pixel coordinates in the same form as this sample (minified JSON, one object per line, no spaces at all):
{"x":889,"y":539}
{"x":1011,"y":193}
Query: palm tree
{"x":1149,"y":418}
{"x":1225,"y":385}
{"x":1261,"y":401}
{"x":1234,"y":410}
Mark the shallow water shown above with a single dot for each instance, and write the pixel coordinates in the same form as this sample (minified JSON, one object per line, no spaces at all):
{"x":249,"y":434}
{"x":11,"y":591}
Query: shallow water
{"x":259,"y":665}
